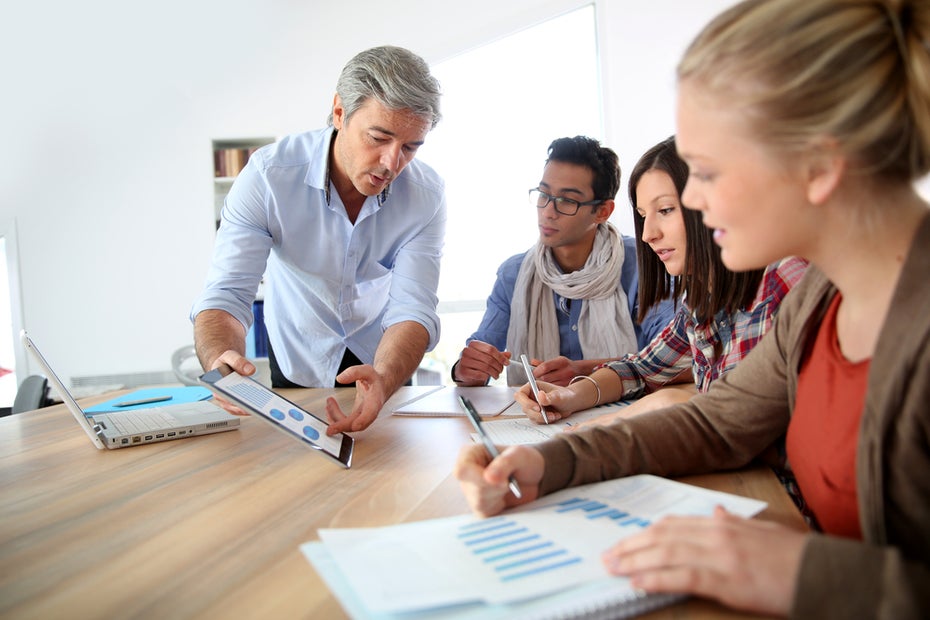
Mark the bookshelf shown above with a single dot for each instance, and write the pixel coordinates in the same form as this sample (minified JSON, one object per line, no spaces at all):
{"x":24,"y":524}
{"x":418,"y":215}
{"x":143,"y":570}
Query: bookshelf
{"x":229,"y":158}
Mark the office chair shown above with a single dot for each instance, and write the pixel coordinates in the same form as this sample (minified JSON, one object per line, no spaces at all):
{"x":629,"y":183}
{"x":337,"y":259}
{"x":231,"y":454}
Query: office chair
{"x":186,"y":366}
{"x":32,"y":394}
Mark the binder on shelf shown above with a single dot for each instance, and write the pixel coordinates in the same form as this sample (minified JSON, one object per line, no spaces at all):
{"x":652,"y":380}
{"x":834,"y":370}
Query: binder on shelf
{"x":231,"y":156}
{"x":259,"y":333}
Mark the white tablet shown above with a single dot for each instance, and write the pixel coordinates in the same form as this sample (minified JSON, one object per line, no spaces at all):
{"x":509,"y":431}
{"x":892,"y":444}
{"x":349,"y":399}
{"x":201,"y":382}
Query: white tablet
{"x":284,"y":415}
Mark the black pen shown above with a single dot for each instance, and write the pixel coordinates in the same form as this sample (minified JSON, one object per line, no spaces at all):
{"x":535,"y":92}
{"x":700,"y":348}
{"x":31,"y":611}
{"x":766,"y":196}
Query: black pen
{"x":142,"y":401}
{"x":488,"y":444}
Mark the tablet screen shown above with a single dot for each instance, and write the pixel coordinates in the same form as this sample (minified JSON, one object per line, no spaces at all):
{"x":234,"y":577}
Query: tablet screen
{"x":282,"y":413}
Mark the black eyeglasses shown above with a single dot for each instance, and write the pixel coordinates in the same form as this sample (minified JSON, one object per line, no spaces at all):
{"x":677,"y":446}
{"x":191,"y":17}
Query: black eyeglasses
{"x":565,"y":206}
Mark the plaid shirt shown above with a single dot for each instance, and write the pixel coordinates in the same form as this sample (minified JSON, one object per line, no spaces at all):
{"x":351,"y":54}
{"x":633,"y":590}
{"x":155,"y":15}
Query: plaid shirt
{"x":710,"y":349}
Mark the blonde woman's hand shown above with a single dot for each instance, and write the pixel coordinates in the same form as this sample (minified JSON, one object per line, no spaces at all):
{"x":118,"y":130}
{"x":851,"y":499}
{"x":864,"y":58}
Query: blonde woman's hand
{"x":745,"y":564}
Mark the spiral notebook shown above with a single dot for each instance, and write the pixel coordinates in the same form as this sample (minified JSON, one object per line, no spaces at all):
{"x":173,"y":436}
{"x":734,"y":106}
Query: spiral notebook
{"x":598,"y":600}
{"x":541,"y":560}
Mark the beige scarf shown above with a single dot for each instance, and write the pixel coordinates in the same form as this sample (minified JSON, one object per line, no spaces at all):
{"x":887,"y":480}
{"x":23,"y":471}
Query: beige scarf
{"x":605,"y":326}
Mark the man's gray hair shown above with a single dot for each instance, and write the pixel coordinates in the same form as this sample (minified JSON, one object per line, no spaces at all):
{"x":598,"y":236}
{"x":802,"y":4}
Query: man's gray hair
{"x":395,"y":77}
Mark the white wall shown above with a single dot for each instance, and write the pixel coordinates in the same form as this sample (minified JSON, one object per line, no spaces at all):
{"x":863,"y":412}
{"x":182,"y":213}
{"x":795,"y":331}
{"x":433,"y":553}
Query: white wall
{"x":108,"y":111}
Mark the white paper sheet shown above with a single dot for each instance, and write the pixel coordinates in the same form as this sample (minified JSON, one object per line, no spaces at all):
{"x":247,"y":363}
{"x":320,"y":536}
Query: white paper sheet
{"x":540,"y":549}
{"x":489,"y":400}
{"x":513,"y":431}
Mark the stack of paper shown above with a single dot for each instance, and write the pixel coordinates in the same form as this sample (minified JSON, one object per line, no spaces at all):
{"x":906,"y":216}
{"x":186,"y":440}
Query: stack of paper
{"x":541,"y":560}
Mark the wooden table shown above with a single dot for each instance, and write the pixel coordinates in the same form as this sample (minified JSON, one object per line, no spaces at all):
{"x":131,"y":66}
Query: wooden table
{"x":210,"y":526}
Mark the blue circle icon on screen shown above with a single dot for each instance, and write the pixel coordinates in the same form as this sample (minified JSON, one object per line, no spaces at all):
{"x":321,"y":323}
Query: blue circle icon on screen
{"x":297,"y":415}
{"x":277,"y":414}
{"x":311,"y":432}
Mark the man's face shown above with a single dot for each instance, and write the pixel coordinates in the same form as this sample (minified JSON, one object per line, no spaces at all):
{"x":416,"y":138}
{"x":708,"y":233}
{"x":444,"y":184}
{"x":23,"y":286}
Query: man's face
{"x":374,"y":145}
{"x":573,"y":181}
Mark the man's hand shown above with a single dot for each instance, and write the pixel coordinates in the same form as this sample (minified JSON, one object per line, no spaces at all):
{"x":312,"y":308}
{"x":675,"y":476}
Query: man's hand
{"x":220,"y":339}
{"x":480,"y":361}
{"x":370,"y":396}
{"x":236,"y":361}
{"x":240,"y":364}
{"x":557,"y":371}
{"x":399,"y":352}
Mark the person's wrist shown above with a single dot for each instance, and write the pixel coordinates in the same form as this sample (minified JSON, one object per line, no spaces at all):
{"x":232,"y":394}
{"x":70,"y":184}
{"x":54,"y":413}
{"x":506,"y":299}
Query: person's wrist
{"x":454,"y":367}
{"x":597,"y":397}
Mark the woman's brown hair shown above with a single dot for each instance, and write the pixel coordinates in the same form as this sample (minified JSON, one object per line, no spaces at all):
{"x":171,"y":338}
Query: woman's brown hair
{"x":707,"y":285}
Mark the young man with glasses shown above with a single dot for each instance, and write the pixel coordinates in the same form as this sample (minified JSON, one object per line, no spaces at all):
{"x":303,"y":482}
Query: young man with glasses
{"x":567,"y":303}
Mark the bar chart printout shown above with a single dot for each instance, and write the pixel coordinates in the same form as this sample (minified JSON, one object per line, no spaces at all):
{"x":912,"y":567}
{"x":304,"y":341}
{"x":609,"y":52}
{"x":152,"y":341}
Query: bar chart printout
{"x":540,"y":549}
{"x":512,"y":551}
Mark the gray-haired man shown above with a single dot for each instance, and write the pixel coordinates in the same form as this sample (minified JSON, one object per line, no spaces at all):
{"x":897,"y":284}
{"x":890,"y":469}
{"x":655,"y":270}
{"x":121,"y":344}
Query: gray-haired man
{"x":348,"y":230}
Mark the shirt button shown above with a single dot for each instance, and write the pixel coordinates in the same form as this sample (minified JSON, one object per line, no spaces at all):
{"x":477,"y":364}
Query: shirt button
{"x":574,"y":328}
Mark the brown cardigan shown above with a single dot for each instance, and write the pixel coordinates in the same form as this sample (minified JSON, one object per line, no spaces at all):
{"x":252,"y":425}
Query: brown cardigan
{"x":887,"y":575}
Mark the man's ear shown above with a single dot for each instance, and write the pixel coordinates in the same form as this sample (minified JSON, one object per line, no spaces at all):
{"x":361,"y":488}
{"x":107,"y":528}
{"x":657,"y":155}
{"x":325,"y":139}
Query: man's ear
{"x":604,"y":210}
{"x":824,"y":167}
{"x":338,"y":112}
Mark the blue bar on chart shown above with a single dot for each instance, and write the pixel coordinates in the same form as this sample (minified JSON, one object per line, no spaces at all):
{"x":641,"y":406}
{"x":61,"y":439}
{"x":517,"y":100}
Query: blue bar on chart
{"x":512,"y":550}
{"x":598,"y":510}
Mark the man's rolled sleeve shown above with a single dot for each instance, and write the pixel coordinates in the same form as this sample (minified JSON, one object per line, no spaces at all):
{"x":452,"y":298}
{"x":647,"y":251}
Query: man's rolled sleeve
{"x":240,"y":252}
{"x":415,"y":278}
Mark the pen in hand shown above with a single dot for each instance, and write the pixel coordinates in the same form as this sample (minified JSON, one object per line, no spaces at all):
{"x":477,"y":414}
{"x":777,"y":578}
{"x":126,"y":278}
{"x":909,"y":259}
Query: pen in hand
{"x":529,"y":375}
{"x":486,"y":440}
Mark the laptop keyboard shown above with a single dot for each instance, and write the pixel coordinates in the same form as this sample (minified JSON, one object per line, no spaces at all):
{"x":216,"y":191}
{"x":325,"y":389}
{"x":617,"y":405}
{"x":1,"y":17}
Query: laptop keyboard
{"x":132,"y":422}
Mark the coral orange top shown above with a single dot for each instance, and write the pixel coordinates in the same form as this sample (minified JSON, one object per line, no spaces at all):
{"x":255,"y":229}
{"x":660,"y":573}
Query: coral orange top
{"x":824,"y":430}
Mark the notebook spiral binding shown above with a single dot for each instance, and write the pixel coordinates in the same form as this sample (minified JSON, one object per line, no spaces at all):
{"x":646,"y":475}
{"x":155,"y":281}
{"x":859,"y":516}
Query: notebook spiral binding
{"x":609,"y":607}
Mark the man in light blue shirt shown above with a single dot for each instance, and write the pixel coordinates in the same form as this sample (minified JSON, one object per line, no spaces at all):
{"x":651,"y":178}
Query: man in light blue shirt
{"x":347,"y":229}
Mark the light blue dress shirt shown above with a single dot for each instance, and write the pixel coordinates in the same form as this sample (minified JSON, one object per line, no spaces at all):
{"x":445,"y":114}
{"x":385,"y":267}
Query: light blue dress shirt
{"x":329,"y":284}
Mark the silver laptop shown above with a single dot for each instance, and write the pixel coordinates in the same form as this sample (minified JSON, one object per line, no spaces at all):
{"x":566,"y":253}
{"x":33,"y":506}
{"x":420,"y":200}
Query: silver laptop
{"x":132,"y":428}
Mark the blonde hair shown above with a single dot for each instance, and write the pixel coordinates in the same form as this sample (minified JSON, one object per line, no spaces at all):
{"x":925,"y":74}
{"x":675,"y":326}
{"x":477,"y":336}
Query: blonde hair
{"x":857,"y":71}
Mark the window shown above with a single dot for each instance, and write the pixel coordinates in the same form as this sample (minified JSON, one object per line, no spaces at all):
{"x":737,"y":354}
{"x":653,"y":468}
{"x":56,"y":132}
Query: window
{"x":503,"y":103}
{"x":12,"y":362}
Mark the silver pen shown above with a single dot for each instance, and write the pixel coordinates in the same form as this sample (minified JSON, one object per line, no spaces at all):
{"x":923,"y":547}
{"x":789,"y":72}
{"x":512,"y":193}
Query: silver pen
{"x":529,"y":375}
{"x":488,"y":444}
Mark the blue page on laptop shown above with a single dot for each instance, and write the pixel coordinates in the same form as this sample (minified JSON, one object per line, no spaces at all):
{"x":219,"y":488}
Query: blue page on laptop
{"x":179,"y":395}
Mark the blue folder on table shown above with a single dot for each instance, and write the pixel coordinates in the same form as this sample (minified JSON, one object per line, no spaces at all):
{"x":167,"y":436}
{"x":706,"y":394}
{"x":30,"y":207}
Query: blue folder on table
{"x":179,"y":395}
